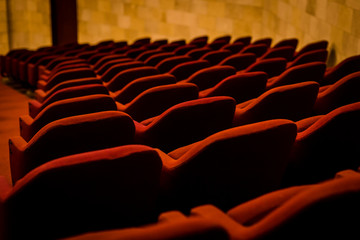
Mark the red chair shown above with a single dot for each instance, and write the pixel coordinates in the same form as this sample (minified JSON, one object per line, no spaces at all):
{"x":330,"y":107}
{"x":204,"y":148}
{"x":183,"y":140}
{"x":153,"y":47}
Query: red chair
{"x":345,"y":67}
{"x":257,"y":49}
{"x":156,"y":58}
{"x":109,"y":74}
{"x":283,"y":52}
{"x":293,"y":102}
{"x":186,"y":122}
{"x":289,"y":42}
{"x":145,"y":55}
{"x":209,"y":77}
{"x":322,"y":44}
{"x":198,"y":52}
{"x":69,"y":136}
{"x":167,"y":64}
{"x":228,"y":167}
{"x":106,"y":59}
{"x":301,"y":73}
{"x":309,"y":57}
{"x":214,"y":57}
{"x":239,"y":61}
{"x":77,"y":91}
{"x":182,"y":50}
{"x":64,"y":108}
{"x":136,"y":87}
{"x":123,"y":78}
{"x":234,"y":47}
{"x":327,"y":145}
{"x":65,"y":75}
{"x":245,"y":40}
{"x":272,"y":67}
{"x":185,"y":70}
{"x":41,"y":95}
{"x":266,"y":41}
{"x":83,"y":193}
{"x":241,"y":87}
{"x":111,"y":63}
{"x":323,"y":210}
{"x":342,"y":92}
{"x":154,"y":101}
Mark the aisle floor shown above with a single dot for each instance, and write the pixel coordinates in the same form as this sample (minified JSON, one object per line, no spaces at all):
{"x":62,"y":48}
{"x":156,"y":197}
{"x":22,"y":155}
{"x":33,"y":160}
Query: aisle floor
{"x":13,"y":103}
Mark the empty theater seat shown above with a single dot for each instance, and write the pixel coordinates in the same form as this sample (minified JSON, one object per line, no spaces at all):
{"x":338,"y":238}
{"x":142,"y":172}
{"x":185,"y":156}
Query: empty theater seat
{"x":209,"y":77}
{"x":185,"y":70}
{"x":154,"y":101}
{"x":327,"y":145}
{"x":239,"y":61}
{"x":41,"y":95}
{"x":68,"y":136}
{"x":123,"y":78}
{"x":342,"y":92}
{"x":241,"y":87}
{"x":323,"y":210}
{"x":186,"y":123}
{"x":65,"y":75}
{"x":35,"y":106}
{"x":301,"y":73}
{"x":64,"y":108}
{"x":294,"y":102}
{"x":228,"y":167}
{"x":134,"y":88}
{"x":83,"y":193}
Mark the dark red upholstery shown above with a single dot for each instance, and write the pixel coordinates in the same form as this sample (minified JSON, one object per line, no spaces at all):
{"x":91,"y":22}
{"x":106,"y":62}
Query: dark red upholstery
{"x":272,"y":67}
{"x":65,"y":75}
{"x":109,"y":74}
{"x":35,"y":106}
{"x":185,"y":70}
{"x":345,"y":67}
{"x":320,"y":55}
{"x":294,"y":102}
{"x":209,"y":77}
{"x":239,"y":61}
{"x":167,"y":64}
{"x":64,"y":108}
{"x":325,"y":210}
{"x":230,"y":166}
{"x":305,"y":72}
{"x":134,"y":88}
{"x":241,"y":87}
{"x":85,"y":192}
{"x":186,"y":123}
{"x":342,"y":92}
{"x":328,"y":145}
{"x":69,"y":136}
{"x":124,"y":77}
{"x":154,"y":101}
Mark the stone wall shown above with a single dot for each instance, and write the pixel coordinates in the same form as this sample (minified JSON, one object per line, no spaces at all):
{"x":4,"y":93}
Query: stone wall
{"x":28,"y":26}
{"x":4,"y":37}
{"x":309,"y":20}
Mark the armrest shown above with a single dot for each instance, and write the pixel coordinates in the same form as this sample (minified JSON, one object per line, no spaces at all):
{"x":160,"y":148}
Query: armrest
{"x":211,"y":212}
{"x":254,"y":210}
{"x":120,"y":107}
{"x":34,"y":107}
{"x":306,"y":122}
{"x":244,"y":104}
{"x":17,"y":146}
{"x":347,"y":173}
{"x":25,"y":123}
{"x":40,"y":95}
{"x":41,"y":84}
{"x":177,"y":153}
{"x":146,"y":122}
{"x":171,"y":216}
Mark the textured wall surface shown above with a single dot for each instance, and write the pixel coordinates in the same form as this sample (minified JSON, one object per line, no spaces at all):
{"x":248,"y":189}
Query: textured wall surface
{"x":29,"y":23}
{"x":308,"y":20}
{"x":4,"y":38}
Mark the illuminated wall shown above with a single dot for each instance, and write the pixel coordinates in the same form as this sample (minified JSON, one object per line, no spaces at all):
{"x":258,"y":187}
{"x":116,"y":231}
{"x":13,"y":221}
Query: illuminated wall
{"x":4,"y":38}
{"x":29,"y":24}
{"x":308,"y":20}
